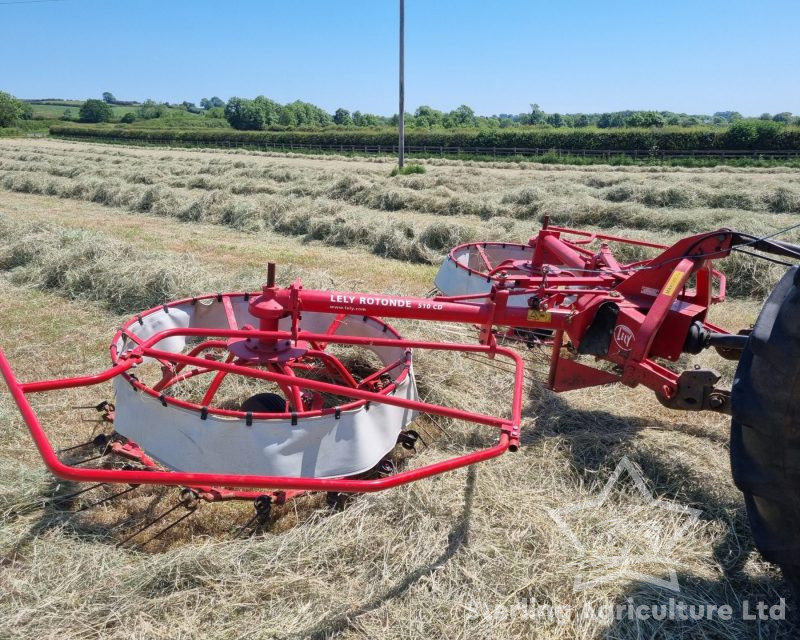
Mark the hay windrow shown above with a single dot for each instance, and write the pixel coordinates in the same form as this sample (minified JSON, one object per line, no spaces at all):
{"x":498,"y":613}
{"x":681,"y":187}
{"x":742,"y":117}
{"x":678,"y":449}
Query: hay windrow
{"x":90,"y":266}
{"x":353,"y":204}
{"x":434,"y":558}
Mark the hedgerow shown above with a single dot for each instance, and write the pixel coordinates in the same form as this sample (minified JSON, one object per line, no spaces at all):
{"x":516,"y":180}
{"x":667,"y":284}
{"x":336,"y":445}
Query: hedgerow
{"x":750,"y":135}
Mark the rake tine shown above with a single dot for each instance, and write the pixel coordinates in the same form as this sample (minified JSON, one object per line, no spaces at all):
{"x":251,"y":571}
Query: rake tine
{"x":76,"y":446}
{"x":34,"y":506}
{"x":245,"y":526}
{"x":75,"y":464}
{"x":113,"y":496}
{"x":167,"y":528}
{"x":97,"y":407}
{"x":75,"y":494}
{"x":439,"y":427}
{"x":100,"y":440}
{"x":150,"y":524}
{"x":528,"y":377}
{"x":125,"y":522}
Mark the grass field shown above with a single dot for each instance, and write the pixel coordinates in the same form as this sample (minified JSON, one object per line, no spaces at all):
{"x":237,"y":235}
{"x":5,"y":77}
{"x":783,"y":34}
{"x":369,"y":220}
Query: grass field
{"x":55,"y":111}
{"x":90,"y":234}
{"x":175,"y":118}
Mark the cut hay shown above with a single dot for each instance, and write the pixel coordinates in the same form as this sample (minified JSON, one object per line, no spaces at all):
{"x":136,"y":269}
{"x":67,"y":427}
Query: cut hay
{"x":447,"y":557}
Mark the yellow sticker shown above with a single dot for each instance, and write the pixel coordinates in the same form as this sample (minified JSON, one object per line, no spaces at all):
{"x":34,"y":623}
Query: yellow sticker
{"x":538,"y":316}
{"x":673,"y":283}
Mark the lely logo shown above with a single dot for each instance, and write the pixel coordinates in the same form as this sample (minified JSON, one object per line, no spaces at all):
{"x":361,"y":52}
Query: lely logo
{"x":623,"y":337}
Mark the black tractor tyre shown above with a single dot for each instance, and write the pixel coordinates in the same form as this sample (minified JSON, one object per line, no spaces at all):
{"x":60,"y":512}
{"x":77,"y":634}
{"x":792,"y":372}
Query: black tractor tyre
{"x":265,"y":403}
{"x":765,"y":428}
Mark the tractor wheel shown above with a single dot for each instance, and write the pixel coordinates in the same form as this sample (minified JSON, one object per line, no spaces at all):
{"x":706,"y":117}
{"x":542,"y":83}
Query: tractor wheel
{"x":765,"y":428}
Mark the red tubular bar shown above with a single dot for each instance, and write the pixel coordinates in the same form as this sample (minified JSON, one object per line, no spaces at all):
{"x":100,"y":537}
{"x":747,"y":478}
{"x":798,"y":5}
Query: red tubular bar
{"x":333,"y":365}
{"x":602,"y":236}
{"x":179,"y":478}
{"x":509,"y":429}
{"x":207,"y":344}
{"x":353,"y":392}
{"x":549,"y":246}
{"x":215,"y":384}
{"x":67,"y":383}
{"x":146,"y":349}
{"x":208,"y":365}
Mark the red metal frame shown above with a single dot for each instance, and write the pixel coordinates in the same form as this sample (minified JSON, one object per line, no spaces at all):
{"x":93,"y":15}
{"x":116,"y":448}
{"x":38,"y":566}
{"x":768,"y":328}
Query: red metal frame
{"x":564,"y":283}
{"x":508,"y":427}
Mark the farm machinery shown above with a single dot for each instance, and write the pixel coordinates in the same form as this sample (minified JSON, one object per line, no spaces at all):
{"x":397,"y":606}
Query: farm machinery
{"x":329,"y":387}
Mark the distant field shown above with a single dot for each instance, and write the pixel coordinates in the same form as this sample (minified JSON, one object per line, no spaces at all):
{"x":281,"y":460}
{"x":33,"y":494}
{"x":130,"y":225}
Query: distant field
{"x":181,"y":121}
{"x":175,"y":118}
{"x":56,"y":111}
{"x":91,"y":233}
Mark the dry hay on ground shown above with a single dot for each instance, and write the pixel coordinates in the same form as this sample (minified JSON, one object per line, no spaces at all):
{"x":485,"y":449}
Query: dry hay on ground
{"x":439,"y":558}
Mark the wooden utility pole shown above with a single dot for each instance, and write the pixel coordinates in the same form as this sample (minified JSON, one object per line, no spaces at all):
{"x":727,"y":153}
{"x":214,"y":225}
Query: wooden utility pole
{"x":401,"y":117}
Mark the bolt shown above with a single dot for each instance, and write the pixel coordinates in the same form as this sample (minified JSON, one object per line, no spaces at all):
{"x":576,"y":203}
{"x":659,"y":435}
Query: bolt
{"x":715,"y":401}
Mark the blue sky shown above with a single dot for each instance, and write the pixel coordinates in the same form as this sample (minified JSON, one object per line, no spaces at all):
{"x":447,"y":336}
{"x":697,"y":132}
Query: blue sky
{"x":692,"y":56}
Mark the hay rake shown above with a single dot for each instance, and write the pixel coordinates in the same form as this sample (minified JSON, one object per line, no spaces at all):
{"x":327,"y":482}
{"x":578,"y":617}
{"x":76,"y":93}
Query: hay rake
{"x":327,"y":389}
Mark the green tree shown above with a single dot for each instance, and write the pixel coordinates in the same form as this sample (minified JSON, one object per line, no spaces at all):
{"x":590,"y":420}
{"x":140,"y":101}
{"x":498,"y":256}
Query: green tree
{"x":95,"y":111}
{"x":536,"y":116}
{"x":11,"y":109}
{"x":365,"y":119}
{"x":555,"y":120}
{"x":463,"y":116}
{"x":288,"y":117}
{"x":785,"y":117}
{"x":426,"y":116}
{"x":128,"y":117}
{"x":304,"y":114}
{"x":108,"y":97}
{"x":582,"y":120}
{"x":150,"y":109}
{"x":244,"y":114}
{"x":616,"y":119}
{"x":635,"y":120}
{"x":270,"y":109}
{"x":728,"y":116}
{"x":342,"y":117}
{"x":215,"y":112}
{"x":645,"y":119}
{"x":27,"y":111}
{"x":212,"y":103}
